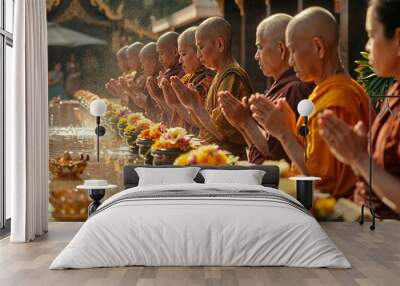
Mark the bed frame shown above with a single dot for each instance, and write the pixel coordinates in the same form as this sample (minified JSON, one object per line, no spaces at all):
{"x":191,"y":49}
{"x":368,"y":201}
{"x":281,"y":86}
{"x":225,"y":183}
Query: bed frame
{"x":270,"y":179}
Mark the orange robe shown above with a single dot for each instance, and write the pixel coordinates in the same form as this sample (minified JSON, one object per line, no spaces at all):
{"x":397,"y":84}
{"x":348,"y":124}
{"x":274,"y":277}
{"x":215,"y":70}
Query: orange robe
{"x":349,"y":102}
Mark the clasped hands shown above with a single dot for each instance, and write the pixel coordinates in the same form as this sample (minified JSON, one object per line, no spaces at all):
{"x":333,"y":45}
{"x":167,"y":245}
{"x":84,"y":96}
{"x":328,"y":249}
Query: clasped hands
{"x":348,"y":144}
{"x":186,"y":94}
{"x":277,"y":118}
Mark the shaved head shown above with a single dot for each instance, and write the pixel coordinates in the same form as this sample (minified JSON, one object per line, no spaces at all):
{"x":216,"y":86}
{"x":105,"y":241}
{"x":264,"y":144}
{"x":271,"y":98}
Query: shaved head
{"x":121,"y":54}
{"x":272,"y":54}
{"x":315,"y":22}
{"x":312,"y":38}
{"x":149,"y":59}
{"x":215,"y":27}
{"x":188,"y":37}
{"x":167,"y":47}
{"x":168,"y":39}
{"x":149,"y":50}
{"x":134,"y":49}
{"x":274,"y":27}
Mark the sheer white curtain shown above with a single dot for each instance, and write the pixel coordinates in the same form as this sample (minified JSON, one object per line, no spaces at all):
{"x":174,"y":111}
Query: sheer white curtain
{"x":26,"y":123}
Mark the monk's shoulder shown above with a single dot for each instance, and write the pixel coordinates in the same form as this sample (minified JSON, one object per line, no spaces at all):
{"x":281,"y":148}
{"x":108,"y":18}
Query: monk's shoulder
{"x":297,"y":88}
{"x":234,"y":78}
{"x":343,"y":96}
{"x":296,"y":91}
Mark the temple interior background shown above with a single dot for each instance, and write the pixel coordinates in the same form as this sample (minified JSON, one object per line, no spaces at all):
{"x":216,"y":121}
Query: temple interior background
{"x":112,"y":24}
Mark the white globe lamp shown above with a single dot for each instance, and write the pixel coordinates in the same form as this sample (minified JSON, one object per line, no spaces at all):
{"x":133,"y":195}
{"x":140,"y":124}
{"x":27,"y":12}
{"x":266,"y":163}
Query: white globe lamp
{"x":97,"y":108}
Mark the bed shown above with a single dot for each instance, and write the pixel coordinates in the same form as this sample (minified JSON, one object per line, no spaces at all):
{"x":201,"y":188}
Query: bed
{"x":197,"y":224}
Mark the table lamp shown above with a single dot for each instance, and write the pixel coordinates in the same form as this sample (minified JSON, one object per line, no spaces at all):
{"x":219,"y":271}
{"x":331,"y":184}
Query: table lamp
{"x":304,"y":184}
{"x":305,"y":108}
{"x":98,"y":108}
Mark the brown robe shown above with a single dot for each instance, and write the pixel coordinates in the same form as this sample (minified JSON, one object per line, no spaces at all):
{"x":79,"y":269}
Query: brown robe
{"x":290,"y":87}
{"x":235,"y":80}
{"x":172,"y":120}
{"x":385,"y":149}
{"x":140,"y":80}
{"x":201,"y":81}
{"x":152,"y":110}
{"x":176,"y":70}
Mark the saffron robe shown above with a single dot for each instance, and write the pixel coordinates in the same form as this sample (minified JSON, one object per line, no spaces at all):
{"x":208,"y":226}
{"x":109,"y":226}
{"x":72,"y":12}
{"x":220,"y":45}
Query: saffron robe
{"x":349,"y":102}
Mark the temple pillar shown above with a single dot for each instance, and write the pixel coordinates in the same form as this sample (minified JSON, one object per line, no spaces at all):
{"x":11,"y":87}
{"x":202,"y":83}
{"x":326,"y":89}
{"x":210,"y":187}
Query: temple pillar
{"x":254,"y":11}
{"x":279,"y":6}
{"x":357,"y":36}
{"x":232,"y":15}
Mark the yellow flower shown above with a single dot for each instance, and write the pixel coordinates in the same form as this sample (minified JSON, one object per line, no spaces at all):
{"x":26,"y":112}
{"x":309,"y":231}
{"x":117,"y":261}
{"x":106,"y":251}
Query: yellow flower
{"x":133,"y":118}
{"x":182,"y":160}
{"x":207,"y":155}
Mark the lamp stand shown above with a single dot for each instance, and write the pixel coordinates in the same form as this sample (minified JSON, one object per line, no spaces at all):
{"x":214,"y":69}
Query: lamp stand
{"x":100,"y":131}
{"x":303,"y":130}
{"x":370,"y":191}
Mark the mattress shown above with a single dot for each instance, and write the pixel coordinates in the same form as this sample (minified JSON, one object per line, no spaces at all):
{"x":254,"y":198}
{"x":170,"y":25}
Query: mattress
{"x":201,"y":225}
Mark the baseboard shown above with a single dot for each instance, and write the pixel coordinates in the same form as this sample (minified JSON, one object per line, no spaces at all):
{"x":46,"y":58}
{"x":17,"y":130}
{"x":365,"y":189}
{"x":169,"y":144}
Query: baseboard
{"x":5,"y":231}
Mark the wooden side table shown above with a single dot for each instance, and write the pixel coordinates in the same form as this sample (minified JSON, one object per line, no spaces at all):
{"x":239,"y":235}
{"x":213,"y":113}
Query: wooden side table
{"x":96,"y":193}
{"x":305,"y":189}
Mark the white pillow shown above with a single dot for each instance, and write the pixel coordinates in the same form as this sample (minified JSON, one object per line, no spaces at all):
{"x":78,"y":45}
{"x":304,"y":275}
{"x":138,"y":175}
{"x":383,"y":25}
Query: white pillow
{"x":165,"y":176}
{"x":247,"y":177}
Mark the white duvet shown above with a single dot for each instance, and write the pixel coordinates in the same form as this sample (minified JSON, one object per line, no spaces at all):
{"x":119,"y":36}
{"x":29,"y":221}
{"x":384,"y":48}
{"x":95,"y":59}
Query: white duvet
{"x":200,"y":231}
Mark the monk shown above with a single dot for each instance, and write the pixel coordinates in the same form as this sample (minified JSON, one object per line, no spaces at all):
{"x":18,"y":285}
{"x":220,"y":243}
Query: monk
{"x":197,"y":76}
{"x":167,"y":47}
{"x":123,"y":60}
{"x":136,"y":80}
{"x":312,"y":39}
{"x":113,"y":86}
{"x":213,"y":41}
{"x":350,"y":143}
{"x":273,"y":58}
{"x":151,"y":67}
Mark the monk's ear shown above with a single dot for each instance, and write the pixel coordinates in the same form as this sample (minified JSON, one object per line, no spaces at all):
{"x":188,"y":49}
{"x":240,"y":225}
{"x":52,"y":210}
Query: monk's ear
{"x":282,"y":50}
{"x":319,"y":47}
{"x":220,"y":44}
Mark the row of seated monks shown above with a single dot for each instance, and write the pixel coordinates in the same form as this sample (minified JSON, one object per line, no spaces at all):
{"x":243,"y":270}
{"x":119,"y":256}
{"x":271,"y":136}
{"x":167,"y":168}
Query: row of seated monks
{"x":193,"y":80}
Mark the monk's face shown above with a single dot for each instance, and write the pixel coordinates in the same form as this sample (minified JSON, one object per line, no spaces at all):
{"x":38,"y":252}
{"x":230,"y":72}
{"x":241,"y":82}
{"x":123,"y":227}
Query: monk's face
{"x":123,"y":64}
{"x":134,"y":62}
{"x":208,"y":50}
{"x":303,"y":56}
{"x":269,"y":55}
{"x":384,"y":52}
{"x":167,"y":55}
{"x":188,"y":58}
{"x":149,"y":65}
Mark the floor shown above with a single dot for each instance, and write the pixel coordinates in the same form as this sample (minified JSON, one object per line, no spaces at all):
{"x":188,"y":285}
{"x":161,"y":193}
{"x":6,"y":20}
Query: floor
{"x":375,"y":257}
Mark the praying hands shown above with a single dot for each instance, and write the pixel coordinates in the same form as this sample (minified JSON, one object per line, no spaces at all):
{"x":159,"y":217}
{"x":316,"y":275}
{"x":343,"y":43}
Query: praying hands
{"x":169,"y":94}
{"x":348,"y":144}
{"x":187,"y":95}
{"x":155,"y":91}
{"x":276,"y":118}
{"x":235,"y":111}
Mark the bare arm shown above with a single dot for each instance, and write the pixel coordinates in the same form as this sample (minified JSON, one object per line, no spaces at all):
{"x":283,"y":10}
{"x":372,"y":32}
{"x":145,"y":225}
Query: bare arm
{"x":295,"y":151}
{"x":190,"y":98}
{"x":254,"y":135}
{"x":385,"y":186}
{"x":206,"y":121}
